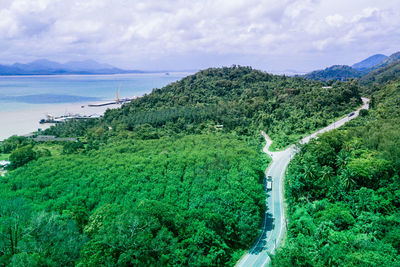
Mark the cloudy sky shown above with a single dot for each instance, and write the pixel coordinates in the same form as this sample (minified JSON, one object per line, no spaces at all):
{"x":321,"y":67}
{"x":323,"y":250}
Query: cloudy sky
{"x":272,"y":35}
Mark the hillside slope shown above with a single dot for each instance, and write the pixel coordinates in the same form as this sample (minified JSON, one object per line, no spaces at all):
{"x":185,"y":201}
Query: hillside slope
{"x":389,"y":72}
{"x":358,"y":70}
{"x":241,"y":99}
{"x":393,"y":57}
{"x":369,"y":62}
{"x":336,"y":72}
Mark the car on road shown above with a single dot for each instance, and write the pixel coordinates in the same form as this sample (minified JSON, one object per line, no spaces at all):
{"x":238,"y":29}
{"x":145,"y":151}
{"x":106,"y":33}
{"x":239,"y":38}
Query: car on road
{"x":269,"y":182}
{"x":351,"y":114}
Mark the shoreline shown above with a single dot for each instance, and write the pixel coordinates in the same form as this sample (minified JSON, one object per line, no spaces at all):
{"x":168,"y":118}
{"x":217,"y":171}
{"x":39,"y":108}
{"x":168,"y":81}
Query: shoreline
{"x":21,"y":118}
{"x":172,"y":73}
{"x":27,"y":121}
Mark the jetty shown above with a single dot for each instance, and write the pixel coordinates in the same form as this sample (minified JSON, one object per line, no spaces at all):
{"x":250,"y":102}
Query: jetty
{"x":119,"y":101}
{"x":114,"y":102}
{"x":69,"y":116}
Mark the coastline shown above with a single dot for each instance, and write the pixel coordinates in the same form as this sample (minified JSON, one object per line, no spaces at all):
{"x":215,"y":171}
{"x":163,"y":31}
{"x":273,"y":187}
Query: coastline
{"x":26,"y":121}
{"x":21,"y":118}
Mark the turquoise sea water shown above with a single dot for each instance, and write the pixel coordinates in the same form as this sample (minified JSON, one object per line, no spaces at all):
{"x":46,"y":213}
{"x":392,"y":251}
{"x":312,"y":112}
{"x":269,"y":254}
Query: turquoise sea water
{"x":27,"y":92}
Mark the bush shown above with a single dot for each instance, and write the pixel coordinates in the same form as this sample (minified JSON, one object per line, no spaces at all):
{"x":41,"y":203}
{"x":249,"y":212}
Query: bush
{"x":21,"y":156}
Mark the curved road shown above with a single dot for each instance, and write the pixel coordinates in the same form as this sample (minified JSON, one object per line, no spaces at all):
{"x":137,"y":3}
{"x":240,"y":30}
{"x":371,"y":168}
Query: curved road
{"x":274,"y":223}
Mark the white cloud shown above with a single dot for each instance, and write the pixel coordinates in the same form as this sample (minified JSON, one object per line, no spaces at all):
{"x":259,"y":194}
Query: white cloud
{"x":366,"y":13}
{"x":8,"y":25}
{"x":27,"y":6}
{"x":150,"y":33}
{"x":336,"y":20}
{"x":300,"y":8}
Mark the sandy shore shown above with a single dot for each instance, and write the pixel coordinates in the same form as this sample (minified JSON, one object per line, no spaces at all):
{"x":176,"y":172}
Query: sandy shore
{"x":26,"y":121}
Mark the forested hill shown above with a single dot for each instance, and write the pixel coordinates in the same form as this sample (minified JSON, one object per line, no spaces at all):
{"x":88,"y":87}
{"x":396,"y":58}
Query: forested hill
{"x":392,"y":58}
{"x":369,"y":62}
{"x":174,"y":178}
{"x":382,"y":75}
{"x":366,"y":70}
{"x":336,"y":72}
{"x":241,"y":99}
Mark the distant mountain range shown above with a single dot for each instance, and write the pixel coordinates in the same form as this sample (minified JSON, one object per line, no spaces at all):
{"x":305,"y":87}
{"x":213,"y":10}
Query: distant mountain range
{"x":46,"y":67}
{"x":369,"y":62}
{"x":335,"y":72}
{"x":48,"y":98}
{"x":358,"y":70}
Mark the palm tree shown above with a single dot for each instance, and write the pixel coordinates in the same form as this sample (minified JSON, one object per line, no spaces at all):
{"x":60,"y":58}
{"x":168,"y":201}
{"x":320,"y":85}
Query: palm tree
{"x":342,"y":159}
{"x":326,"y":174}
{"x":347,"y":179}
{"x":308,"y":172}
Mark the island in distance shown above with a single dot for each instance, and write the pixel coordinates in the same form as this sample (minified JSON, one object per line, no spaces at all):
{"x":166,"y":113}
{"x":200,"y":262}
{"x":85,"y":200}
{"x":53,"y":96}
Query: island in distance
{"x":46,"y":67}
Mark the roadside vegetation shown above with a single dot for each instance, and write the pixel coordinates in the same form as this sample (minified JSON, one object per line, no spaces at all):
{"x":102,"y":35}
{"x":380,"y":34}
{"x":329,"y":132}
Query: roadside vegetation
{"x":343,"y":191}
{"x":195,"y":200}
{"x":4,"y":156}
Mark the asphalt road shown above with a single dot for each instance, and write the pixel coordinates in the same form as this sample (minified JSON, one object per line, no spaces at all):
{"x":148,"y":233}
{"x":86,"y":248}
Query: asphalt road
{"x":274,"y":223}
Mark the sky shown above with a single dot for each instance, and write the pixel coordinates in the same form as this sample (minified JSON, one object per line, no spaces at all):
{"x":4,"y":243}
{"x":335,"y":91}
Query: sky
{"x":271,"y":35}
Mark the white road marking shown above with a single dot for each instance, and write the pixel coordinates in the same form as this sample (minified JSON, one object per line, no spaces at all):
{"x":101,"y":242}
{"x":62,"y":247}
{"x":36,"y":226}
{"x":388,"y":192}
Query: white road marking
{"x":275,"y":157}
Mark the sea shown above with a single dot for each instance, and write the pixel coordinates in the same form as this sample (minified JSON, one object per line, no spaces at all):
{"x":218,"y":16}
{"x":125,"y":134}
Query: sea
{"x":24,"y":100}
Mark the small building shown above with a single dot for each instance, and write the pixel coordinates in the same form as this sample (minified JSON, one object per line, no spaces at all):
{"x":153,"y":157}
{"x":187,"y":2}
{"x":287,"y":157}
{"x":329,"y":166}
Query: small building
{"x":29,"y":135}
{"x":46,"y":138}
{"x":66,"y":139}
{"x":219,"y":126}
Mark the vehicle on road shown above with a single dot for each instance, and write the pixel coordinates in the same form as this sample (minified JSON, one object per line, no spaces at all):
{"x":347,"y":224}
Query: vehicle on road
{"x":275,"y":225}
{"x":269,"y":182}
